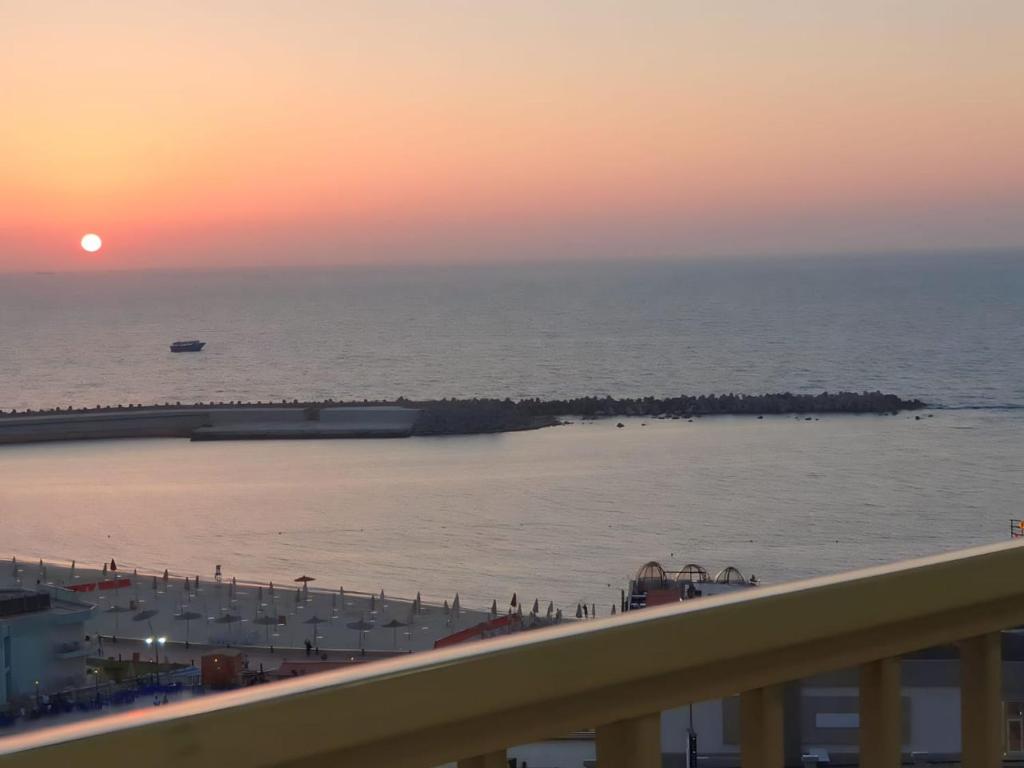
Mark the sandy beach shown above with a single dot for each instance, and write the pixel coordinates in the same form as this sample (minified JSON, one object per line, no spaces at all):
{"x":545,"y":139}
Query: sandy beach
{"x":202,"y":612}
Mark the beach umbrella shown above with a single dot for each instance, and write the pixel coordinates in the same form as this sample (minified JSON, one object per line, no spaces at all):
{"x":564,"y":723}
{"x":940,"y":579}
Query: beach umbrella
{"x":196,"y":582}
{"x":113,"y":565}
{"x":536,"y":606}
{"x":593,"y":611}
{"x":519,"y":610}
{"x":613,"y":609}
{"x":515,"y":600}
{"x":393,"y":625}
{"x":447,"y":609}
{"x":373,"y":603}
{"x":558,"y":616}
{"x":456,"y":608}
{"x":117,"y":610}
{"x":579,"y":611}
{"x":270,"y":589}
{"x":229,"y":619}
{"x":167,"y":576}
{"x":551,"y":610}
{"x":187,"y":617}
{"x":305,"y":579}
{"x":494,"y":609}
{"x":104,"y":570}
{"x":266,"y":621}
{"x":361,"y":626}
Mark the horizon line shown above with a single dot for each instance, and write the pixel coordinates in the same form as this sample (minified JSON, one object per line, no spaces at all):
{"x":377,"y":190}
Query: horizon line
{"x":732,"y":257}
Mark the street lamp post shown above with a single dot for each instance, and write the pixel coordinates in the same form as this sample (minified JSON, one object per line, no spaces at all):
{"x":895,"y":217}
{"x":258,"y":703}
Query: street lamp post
{"x":156,"y":642}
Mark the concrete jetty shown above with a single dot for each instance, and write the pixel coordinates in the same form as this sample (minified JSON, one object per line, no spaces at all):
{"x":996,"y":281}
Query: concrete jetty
{"x":237,"y":422}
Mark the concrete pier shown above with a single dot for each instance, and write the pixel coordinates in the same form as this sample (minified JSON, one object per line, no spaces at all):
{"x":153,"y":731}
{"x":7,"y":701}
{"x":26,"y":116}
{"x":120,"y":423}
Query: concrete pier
{"x":212,"y":423}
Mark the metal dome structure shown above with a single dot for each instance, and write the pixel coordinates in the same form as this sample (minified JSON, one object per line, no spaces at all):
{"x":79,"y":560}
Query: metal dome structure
{"x":692,"y":573}
{"x":651,"y":576}
{"x":730,"y":575}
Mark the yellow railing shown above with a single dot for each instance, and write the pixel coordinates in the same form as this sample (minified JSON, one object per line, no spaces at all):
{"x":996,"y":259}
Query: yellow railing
{"x":469,"y":704}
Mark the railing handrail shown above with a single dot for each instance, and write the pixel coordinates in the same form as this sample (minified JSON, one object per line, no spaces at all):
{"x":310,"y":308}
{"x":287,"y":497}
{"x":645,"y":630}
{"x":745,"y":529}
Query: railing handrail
{"x":429,"y":708}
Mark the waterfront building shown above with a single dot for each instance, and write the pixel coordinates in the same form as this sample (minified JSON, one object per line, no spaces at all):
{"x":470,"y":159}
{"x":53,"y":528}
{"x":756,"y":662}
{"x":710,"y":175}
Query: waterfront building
{"x":42,"y":643}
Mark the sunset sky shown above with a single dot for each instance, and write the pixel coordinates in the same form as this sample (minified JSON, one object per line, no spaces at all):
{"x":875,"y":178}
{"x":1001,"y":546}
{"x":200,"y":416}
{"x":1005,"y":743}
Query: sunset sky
{"x":227,"y":133}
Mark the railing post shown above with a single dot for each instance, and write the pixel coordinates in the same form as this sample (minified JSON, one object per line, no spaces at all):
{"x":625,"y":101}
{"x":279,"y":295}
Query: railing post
{"x":981,"y":701}
{"x":761,"y":728}
{"x":630,"y":743}
{"x":881,"y":715}
{"x":490,"y":760}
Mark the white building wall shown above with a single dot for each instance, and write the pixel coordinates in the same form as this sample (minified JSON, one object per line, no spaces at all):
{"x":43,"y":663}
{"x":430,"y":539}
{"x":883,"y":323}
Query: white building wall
{"x":707,"y":723}
{"x":934,"y":720}
{"x":568,"y":753}
{"x":34,"y":641}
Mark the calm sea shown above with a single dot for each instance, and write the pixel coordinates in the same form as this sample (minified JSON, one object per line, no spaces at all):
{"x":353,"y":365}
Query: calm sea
{"x":564,"y":513}
{"x":950,"y":330}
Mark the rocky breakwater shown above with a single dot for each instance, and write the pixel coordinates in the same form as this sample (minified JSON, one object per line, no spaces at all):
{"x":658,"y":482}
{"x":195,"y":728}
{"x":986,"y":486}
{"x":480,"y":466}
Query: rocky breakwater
{"x":481,"y":415}
{"x":402,"y":418}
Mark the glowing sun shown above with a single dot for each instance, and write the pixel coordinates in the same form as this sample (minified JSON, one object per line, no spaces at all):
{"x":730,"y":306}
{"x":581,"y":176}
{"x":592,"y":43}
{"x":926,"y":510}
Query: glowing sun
{"x":91,"y":243}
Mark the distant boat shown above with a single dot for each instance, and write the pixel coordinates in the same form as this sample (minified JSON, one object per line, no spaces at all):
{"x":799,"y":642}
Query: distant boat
{"x":188,"y":346}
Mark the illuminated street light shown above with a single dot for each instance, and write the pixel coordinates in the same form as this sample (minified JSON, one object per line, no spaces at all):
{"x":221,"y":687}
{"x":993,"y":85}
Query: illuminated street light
{"x":156,"y":642}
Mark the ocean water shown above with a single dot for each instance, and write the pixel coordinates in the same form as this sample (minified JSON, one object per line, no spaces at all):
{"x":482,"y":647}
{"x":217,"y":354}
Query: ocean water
{"x":562,"y":514}
{"x":565,"y":513}
{"x":949,"y":330}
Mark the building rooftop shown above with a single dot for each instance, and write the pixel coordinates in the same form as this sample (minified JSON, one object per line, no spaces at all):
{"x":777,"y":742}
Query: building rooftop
{"x":15,"y":602}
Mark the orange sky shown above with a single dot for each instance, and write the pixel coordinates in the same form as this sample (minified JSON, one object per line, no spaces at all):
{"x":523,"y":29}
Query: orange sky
{"x":329,"y":132}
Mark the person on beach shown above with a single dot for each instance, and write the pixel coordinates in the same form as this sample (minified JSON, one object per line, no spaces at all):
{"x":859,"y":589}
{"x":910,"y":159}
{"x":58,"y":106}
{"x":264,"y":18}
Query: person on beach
{"x":309,"y":647}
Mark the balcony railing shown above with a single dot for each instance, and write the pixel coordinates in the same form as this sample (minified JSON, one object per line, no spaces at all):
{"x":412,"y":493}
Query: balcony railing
{"x":469,"y":704}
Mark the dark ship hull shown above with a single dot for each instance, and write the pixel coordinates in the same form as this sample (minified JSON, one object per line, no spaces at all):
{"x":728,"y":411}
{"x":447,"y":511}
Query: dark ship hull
{"x":187,"y":346}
